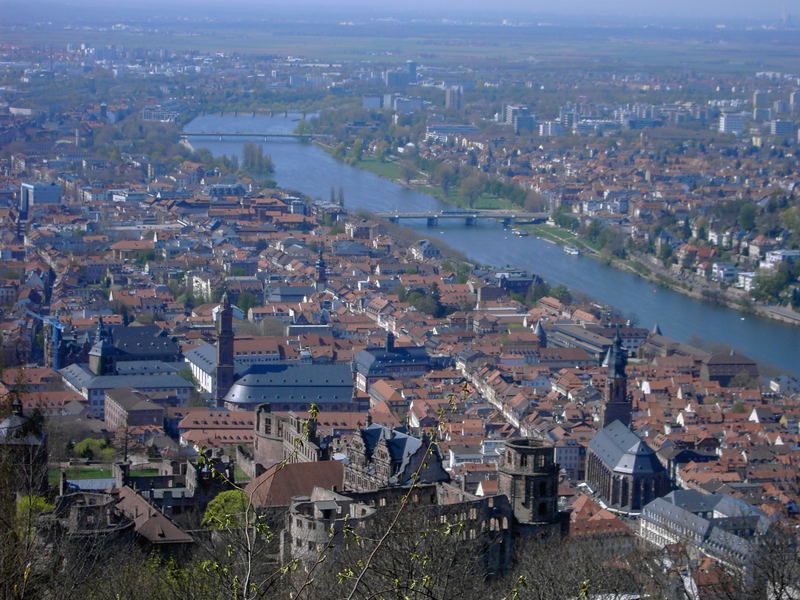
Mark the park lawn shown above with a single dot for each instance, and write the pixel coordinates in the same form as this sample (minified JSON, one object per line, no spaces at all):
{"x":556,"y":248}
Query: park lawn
{"x":241,"y":476}
{"x":78,"y":473}
{"x":488,"y":201}
{"x":385,"y":169}
{"x":144,"y":473}
{"x":93,"y":473}
{"x":554,"y":234}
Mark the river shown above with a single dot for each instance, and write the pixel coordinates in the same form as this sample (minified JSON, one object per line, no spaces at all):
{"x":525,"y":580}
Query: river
{"x":309,"y":169}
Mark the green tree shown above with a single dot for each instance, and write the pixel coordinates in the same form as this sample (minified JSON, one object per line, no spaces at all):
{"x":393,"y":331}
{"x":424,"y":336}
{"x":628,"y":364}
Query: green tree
{"x":226,"y":510}
{"x":94,"y":449}
{"x":471,"y":189}
{"x":747,"y":216}
{"x":357,"y":150}
{"x":561,"y":293}
{"x":30,"y":507}
{"x":246,"y":301}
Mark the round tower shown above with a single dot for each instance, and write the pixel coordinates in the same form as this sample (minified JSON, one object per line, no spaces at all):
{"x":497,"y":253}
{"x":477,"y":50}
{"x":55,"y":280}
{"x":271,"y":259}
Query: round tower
{"x":528,"y":477}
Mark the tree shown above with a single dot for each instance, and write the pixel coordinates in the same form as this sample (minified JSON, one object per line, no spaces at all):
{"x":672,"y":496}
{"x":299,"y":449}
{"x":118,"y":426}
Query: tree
{"x":743,"y":379}
{"x":30,"y":507}
{"x":407,"y":171}
{"x":471,"y":188}
{"x":561,"y":293}
{"x":226,"y":509}
{"x":246,"y":301}
{"x":357,"y":150}
{"x":747,"y":216}
{"x":94,"y":449}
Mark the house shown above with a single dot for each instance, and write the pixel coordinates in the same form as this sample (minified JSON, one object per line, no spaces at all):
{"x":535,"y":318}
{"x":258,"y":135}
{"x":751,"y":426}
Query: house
{"x":126,"y":407}
{"x":373,"y":364}
{"x":714,"y":525}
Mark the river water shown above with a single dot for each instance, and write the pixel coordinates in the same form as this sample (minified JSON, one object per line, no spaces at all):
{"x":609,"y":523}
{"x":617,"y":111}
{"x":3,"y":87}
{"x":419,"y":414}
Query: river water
{"x":309,"y":169}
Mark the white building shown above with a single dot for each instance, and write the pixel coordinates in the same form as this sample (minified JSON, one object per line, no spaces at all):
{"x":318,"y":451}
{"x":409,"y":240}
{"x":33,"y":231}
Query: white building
{"x":731,"y":123}
{"x":34,"y":194}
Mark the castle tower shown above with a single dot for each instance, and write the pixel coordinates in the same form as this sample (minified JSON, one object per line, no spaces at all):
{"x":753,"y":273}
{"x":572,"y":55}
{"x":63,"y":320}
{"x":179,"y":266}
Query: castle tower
{"x":528,"y":477}
{"x":617,"y":405}
{"x":224,"y":350}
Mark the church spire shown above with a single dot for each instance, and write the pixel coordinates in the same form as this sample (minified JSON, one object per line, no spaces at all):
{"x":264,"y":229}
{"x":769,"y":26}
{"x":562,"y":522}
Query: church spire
{"x":617,"y":405}
{"x":321,"y":271}
{"x":616,"y":358}
{"x":540,"y":333}
{"x":224,"y":374}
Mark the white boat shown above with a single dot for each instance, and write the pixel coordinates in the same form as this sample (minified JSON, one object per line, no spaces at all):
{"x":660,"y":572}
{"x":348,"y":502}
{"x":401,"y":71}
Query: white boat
{"x":519,"y":232}
{"x":571,"y":250}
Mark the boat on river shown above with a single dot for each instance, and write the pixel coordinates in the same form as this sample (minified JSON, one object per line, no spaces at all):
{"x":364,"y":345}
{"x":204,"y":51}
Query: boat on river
{"x":519,"y":232}
{"x":571,"y":250}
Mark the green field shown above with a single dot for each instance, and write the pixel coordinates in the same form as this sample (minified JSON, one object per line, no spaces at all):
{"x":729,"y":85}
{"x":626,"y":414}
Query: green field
{"x":540,"y":47}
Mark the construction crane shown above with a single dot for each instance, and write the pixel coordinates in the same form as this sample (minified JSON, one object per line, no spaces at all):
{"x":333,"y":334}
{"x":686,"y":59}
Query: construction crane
{"x":57,"y":329}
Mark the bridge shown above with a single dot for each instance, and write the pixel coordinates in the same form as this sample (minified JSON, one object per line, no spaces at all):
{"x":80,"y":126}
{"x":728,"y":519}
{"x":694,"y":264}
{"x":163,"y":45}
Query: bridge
{"x":259,"y":134}
{"x":470,"y":217}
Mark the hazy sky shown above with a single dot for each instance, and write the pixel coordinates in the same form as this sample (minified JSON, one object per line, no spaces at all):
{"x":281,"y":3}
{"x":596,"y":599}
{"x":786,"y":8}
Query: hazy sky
{"x":763,"y":10}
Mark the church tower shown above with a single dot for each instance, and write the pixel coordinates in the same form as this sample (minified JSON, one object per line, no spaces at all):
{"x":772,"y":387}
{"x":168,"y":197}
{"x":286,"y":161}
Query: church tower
{"x":101,"y":360}
{"x":224,"y":350}
{"x":616,"y":405}
{"x":321,"y":272}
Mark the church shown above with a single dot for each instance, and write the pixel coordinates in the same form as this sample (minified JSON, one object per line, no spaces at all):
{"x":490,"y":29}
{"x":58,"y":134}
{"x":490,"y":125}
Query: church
{"x":620,"y":467}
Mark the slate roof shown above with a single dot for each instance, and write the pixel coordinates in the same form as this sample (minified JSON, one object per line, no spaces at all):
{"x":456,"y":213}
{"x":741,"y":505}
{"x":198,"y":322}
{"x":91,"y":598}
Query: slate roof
{"x":11,"y":432}
{"x":293,"y":383}
{"x":623,"y":451}
{"x":204,"y":356}
{"x":375,"y":361}
{"x":97,"y":484}
{"x":79,"y":376}
{"x":708,"y":518}
{"x":145,"y":340}
{"x":145,"y":367}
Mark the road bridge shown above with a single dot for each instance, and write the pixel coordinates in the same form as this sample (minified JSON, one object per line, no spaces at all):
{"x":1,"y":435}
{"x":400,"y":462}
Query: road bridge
{"x":470,"y":217}
{"x":220,"y":135}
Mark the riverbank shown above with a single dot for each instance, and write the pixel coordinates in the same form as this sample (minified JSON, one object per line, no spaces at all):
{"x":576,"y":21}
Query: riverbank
{"x":393,"y":171}
{"x":655,"y":273}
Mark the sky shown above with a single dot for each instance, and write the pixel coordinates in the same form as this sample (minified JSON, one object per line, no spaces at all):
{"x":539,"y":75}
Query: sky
{"x":722,"y":10}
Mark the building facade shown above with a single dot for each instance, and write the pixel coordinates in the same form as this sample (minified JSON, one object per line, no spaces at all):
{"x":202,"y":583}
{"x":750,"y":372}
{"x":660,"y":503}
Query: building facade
{"x":378,"y":457}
